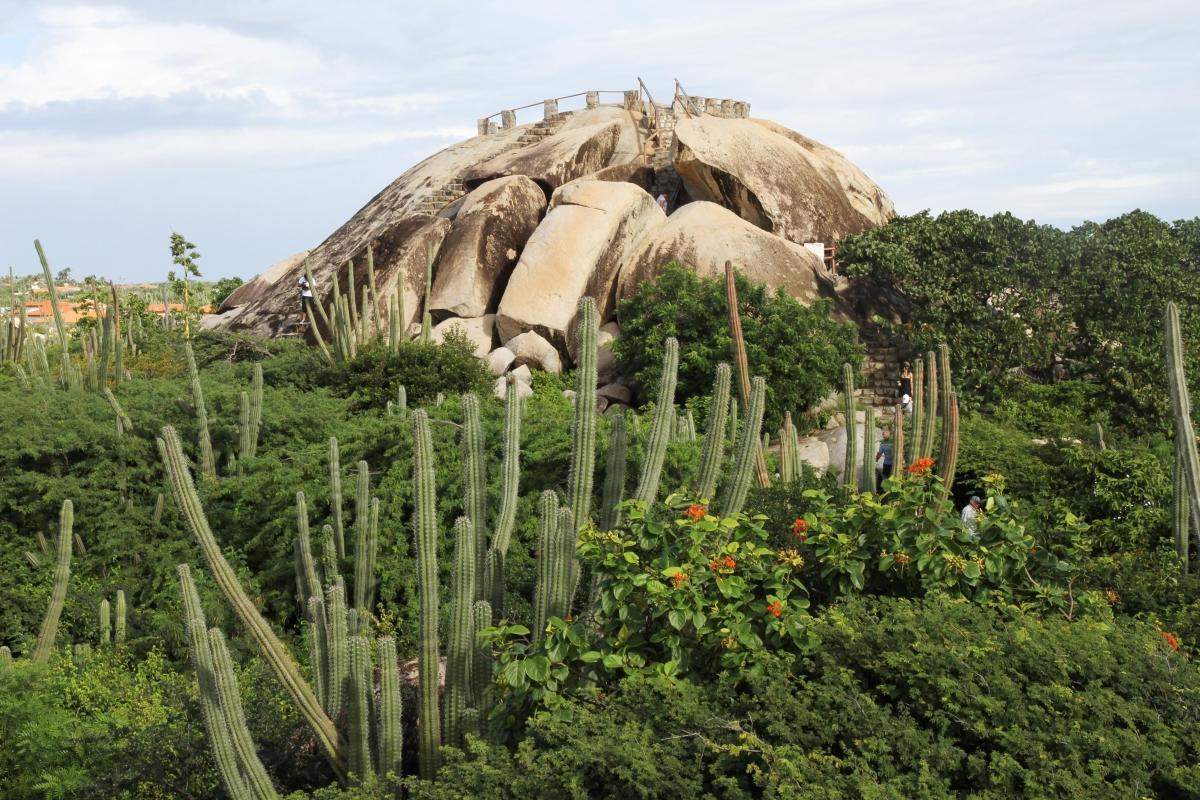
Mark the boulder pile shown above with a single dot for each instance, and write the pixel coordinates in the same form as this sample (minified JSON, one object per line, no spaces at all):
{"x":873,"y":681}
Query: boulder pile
{"x":521,"y":222}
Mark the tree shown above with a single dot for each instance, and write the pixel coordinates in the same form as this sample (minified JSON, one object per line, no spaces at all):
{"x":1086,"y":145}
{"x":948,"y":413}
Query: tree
{"x":184,"y":255}
{"x":223,"y":288}
{"x":799,"y":350}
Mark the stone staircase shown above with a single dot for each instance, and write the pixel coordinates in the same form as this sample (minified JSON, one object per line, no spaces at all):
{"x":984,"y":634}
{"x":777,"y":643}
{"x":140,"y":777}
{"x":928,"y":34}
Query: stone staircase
{"x":880,"y":372}
{"x":666,"y":179}
{"x":454,"y":190}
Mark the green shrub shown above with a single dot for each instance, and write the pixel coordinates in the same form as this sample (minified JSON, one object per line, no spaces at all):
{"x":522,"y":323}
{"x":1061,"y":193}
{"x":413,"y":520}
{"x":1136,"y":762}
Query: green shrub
{"x":799,"y":350}
{"x":372,"y":377}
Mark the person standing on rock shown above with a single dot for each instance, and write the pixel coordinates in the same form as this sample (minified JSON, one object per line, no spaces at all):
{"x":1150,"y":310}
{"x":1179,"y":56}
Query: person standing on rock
{"x":662,"y":201}
{"x":905,"y":382}
{"x":306,"y":297}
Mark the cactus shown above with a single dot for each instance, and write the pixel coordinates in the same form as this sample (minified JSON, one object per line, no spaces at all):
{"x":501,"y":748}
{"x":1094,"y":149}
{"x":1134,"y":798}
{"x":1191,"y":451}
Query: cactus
{"x":208,"y":467}
{"x":583,"y":427}
{"x":308,"y":569}
{"x":271,"y":648}
{"x":738,"y":482}
{"x":337,"y":653}
{"x":481,"y":666}
{"x":256,"y":401}
{"x":32,"y":560}
{"x":361,"y":691}
{"x":743,"y":365}
{"x":69,"y":377}
{"x":426,"y":320}
{"x":733,"y":421}
{"x":426,"y":527}
{"x":243,"y":425}
{"x":849,"y":467}
{"x":474,"y":486}
{"x":120,"y":627}
{"x":660,"y":430}
{"x":235,"y":718}
{"x":898,"y":464}
{"x":118,"y":342}
{"x":548,"y":588}
{"x":868,"y":462}
{"x":123,"y":422}
{"x":1188,"y":484}
{"x":105,"y":622}
{"x":1100,"y":443}
{"x":335,"y":497}
{"x":158,"y":508}
{"x":931,"y":404}
{"x":390,"y":738}
{"x":394,"y":322}
{"x":785,"y":455}
{"x":219,"y":736}
{"x":43,"y":545}
{"x":80,"y":547}
{"x":713,"y":450}
{"x":1180,"y":510}
{"x":460,"y":649}
{"x":105,"y":347}
{"x":364,"y":545}
{"x":6,"y":659}
{"x":62,"y":576}
{"x":510,"y":468}
{"x":949,"y":446}
{"x":918,"y":412}
{"x":614,"y":474}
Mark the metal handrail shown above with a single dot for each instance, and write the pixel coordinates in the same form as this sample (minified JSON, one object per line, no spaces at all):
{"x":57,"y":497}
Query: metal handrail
{"x":556,"y":99}
{"x":687,"y":104}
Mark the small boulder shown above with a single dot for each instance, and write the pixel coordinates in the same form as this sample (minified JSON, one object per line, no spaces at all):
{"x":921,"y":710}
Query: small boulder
{"x":500,"y":388}
{"x":478,"y":331}
{"x":499,"y":360}
{"x":523,"y":374}
{"x":616,"y":392}
{"x":531,"y":349}
{"x":609,"y":333}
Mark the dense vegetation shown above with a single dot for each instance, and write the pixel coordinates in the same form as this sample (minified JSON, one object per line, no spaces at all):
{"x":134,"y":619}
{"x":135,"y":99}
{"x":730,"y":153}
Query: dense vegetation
{"x":802,"y":639}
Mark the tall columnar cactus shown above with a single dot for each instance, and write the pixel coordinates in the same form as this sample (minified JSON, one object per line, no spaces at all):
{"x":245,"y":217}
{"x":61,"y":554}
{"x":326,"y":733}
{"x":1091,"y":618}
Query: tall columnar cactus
{"x":849,"y":466}
{"x":335,"y":497}
{"x":868,"y":462}
{"x":614,"y":474}
{"x":235,"y":718}
{"x":510,"y":468}
{"x":308,"y":566}
{"x":338,"y":654}
{"x":118,"y":342}
{"x":550,"y":573}
{"x":931,"y":404}
{"x":1099,"y":431}
{"x":1181,"y":410}
{"x":898,"y":462}
{"x":6,"y":659}
{"x":737,"y":484}
{"x":713,"y":451}
{"x":62,"y":576}
{"x":426,"y":320}
{"x":426,"y":516}
{"x":475,"y":503}
{"x":364,"y":578}
{"x":219,"y":736}
{"x":481,"y":666}
{"x":660,"y":429}
{"x":568,"y":564}
{"x":105,"y":622}
{"x":256,"y":402}
{"x":122,"y":611}
{"x":460,"y":650}
{"x":361,"y":691}
{"x":1180,"y":507}
{"x":944,"y":375}
{"x":70,"y":377}
{"x":949,"y":461}
{"x":243,"y":425}
{"x":123,"y":422}
{"x":272,"y":649}
{"x":105,"y":347}
{"x":158,"y":508}
{"x":208,"y":466}
{"x":733,"y":421}
{"x":390,"y":741}
{"x":918,"y":412}
{"x":583,"y":428}
{"x":376,"y":328}
{"x":785,"y":454}
{"x":743,"y":365}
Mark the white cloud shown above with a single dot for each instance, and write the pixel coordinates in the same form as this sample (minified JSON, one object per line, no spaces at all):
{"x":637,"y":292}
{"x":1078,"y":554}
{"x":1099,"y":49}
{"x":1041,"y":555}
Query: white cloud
{"x":1142,"y":181}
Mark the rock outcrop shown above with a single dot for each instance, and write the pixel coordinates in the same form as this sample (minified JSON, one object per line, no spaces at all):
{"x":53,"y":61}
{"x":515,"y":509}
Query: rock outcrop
{"x":488,"y":234}
{"x":704,"y":236}
{"x":593,"y":227}
{"x":509,"y":265}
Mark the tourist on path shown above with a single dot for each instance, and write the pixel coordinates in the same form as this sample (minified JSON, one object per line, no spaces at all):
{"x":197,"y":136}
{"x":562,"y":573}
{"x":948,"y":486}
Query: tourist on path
{"x":970,"y":516}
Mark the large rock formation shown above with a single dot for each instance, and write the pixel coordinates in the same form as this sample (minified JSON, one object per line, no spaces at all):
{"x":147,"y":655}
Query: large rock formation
{"x":522,"y":221}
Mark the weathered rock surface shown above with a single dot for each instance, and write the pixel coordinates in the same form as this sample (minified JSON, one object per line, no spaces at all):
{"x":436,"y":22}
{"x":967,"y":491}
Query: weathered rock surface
{"x":500,"y":388}
{"x":704,"y":236}
{"x":589,"y":141}
{"x":263,"y":284}
{"x":523,"y":374}
{"x":835,"y":440}
{"x":499,"y":360}
{"x":768,"y":179}
{"x":478,"y":330}
{"x":479,"y":253}
{"x":815,"y":452}
{"x":592,"y":228}
{"x":616,"y":392}
{"x":533,"y":350}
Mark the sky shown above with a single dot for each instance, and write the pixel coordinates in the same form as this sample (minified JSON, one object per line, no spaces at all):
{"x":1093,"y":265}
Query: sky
{"x":257,"y":127}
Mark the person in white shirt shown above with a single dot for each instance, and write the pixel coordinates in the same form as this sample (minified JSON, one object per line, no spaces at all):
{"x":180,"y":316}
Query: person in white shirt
{"x":970,"y":514}
{"x":306,"y":295}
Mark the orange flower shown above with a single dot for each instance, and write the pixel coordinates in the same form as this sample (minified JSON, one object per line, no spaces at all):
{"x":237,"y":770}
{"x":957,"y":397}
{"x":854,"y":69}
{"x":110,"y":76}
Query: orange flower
{"x":902,"y":559}
{"x":800,"y":529}
{"x":1170,"y":639}
{"x":677,"y":579}
{"x":775,"y":609}
{"x":729,"y":563}
{"x":695,"y":512}
{"x":714,"y":565}
{"x":920,"y":466}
